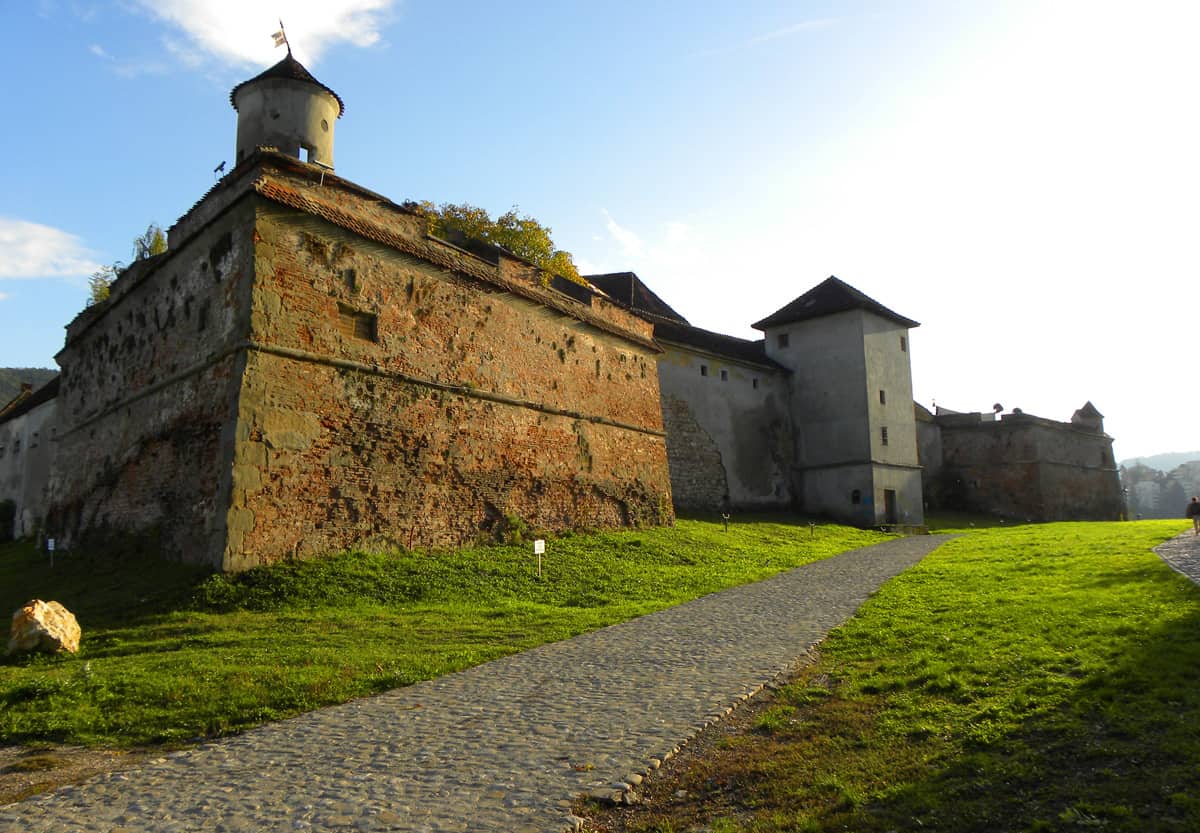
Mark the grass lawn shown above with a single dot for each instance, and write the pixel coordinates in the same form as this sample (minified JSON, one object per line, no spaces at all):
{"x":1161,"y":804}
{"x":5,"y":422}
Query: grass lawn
{"x":171,"y":653}
{"x":1029,"y":678}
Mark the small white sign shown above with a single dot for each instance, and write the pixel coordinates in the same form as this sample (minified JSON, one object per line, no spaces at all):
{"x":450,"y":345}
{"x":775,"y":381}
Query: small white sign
{"x":49,"y":545}
{"x":539,"y":547}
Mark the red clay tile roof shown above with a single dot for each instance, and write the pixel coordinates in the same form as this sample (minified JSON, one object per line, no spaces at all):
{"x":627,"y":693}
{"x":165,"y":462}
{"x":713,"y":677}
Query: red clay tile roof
{"x":291,"y":69}
{"x":826,"y":298}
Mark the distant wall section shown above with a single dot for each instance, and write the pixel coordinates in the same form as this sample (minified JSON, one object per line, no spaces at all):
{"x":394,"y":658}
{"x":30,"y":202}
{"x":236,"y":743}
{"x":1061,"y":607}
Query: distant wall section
{"x":1023,"y":467}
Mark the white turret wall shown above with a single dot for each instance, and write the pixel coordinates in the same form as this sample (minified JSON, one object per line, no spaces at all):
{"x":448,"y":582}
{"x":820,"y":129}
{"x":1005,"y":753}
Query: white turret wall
{"x":294,"y":116}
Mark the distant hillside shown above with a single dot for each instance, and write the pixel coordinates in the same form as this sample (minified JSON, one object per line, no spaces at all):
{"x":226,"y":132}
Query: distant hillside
{"x":1164,"y":462}
{"x":12,"y":377}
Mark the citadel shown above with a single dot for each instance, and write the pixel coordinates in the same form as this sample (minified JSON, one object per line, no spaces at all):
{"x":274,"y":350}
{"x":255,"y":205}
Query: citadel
{"x":307,"y":369}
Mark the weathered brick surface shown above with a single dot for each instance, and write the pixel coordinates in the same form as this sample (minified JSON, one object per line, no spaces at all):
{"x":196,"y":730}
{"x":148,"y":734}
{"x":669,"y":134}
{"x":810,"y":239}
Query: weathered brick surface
{"x":342,"y":444}
{"x":222,"y":402}
{"x":148,"y":392}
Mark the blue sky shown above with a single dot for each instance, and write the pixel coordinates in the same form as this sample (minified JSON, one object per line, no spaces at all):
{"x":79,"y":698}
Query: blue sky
{"x":1020,"y":177}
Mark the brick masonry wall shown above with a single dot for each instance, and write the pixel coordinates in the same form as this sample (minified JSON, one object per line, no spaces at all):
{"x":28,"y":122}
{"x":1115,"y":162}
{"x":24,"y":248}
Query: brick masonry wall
{"x":449,"y":421}
{"x":147,"y":400}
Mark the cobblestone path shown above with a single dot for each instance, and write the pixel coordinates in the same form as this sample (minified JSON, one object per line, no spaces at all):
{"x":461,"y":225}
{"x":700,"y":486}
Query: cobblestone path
{"x":505,"y":746}
{"x":1182,"y":553}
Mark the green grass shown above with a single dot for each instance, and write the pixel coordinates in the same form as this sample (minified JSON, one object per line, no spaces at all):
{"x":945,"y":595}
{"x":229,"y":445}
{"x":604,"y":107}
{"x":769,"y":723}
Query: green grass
{"x":170,"y":653}
{"x":1031,"y":678}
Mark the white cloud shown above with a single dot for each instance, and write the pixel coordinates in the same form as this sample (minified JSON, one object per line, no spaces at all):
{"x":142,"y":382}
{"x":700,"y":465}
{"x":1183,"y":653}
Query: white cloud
{"x":688,"y":267}
{"x":783,"y":32}
{"x":629,"y":243}
{"x":786,"y":31}
{"x":129,"y":69}
{"x":238,"y":32}
{"x":3,"y":296}
{"x":32,"y":250}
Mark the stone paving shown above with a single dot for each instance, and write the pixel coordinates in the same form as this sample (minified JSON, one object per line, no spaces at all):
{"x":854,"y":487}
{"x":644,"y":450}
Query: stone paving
{"x":1182,"y":554}
{"x":505,"y":746}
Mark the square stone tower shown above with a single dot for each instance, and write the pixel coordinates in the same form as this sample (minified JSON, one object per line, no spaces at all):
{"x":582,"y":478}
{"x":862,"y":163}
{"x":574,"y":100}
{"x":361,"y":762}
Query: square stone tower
{"x":851,"y":405}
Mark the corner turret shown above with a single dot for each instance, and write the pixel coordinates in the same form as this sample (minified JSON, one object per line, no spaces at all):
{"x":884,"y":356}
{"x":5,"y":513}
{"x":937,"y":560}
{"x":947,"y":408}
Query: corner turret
{"x":287,"y":108}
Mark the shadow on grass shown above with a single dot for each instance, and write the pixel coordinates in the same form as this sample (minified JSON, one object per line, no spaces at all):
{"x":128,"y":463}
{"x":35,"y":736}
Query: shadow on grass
{"x":1122,"y":753}
{"x":102,"y":590}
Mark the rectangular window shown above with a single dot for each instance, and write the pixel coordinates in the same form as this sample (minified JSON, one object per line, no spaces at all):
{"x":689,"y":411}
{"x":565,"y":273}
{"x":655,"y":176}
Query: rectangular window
{"x":357,"y":324}
{"x":724,"y":375}
{"x":703,"y":370}
{"x":754,"y":383}
{"x":882,"y":397}
{"x":883,"y":438}
{"x":903,"y":344}
{"x":782,"y":340}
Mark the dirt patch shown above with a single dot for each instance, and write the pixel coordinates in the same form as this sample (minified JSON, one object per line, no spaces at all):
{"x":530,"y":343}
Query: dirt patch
{"x":29,"y":770}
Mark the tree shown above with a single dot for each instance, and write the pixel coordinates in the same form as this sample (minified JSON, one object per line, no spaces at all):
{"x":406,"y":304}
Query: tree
{"x":524,"y":236}
{"x":100,"y":283}
{"x":147,"y":245}
{"x":152,"y":242}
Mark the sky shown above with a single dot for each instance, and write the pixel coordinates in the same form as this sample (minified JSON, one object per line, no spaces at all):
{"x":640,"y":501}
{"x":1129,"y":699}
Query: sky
{"x":1023,"y":178}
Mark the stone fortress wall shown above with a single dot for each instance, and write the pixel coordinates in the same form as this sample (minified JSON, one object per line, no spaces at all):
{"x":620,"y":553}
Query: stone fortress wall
{"x":306,"y":370}
{"x":729,"y":436}
{"x":150,"y":381}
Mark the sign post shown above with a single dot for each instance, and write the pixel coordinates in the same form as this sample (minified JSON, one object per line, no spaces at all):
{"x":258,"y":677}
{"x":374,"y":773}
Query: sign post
{"x":539,"y":547}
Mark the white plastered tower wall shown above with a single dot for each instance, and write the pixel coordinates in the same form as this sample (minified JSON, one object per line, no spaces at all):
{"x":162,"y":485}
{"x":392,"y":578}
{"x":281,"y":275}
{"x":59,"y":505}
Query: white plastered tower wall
{"x":890,"y":405}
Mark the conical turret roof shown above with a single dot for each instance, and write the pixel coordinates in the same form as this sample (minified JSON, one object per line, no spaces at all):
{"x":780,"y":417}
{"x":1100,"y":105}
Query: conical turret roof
{"x":291,"y":69}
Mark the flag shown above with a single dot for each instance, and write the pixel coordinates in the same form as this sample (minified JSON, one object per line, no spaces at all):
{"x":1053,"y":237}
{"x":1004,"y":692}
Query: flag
{"x":280,"y":38}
